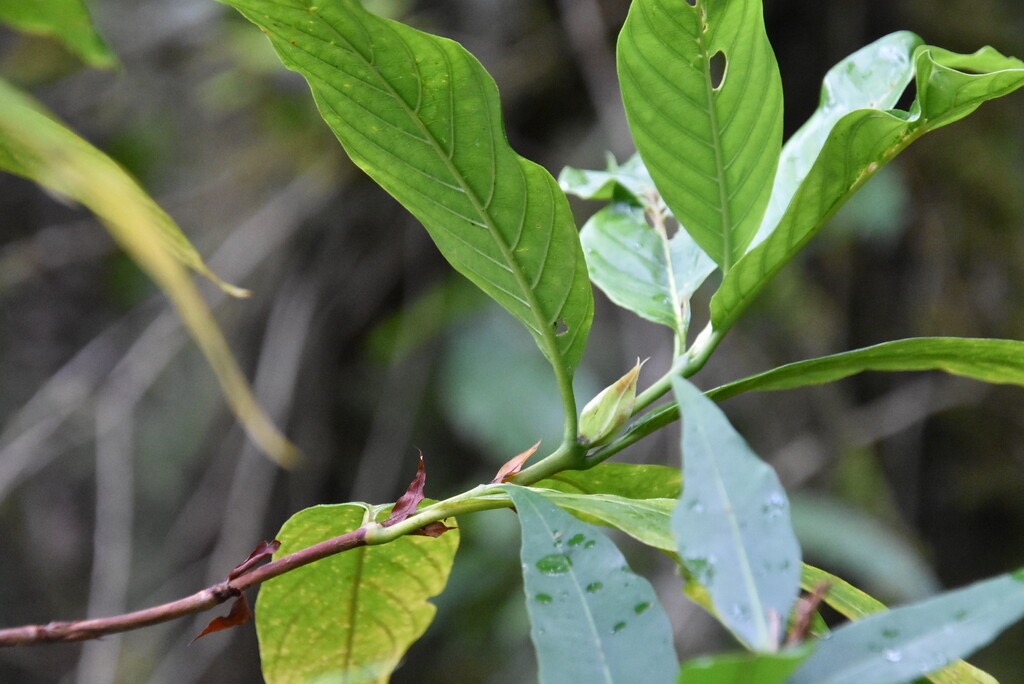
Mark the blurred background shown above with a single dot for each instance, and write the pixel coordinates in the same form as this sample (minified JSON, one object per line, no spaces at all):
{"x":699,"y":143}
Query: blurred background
{"x":125,"y":482}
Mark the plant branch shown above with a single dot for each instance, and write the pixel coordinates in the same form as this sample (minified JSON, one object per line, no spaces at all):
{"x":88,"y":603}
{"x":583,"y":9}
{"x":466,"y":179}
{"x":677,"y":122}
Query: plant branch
{"x":479,"y":498}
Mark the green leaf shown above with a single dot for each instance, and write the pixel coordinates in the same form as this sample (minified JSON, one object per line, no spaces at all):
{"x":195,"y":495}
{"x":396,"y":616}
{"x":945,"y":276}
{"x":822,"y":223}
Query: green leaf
{"x":349,"y":617}
{"x":732,"y":525}
{"x":628,"y":480}
{"x":35,"y":145}
{"x":711,"y":141}
{"x":649,"y":521}
{"x":995,"y":361}
{"x":627,"y":182}
{"x":901,"y":644}
{"x":591,"y":618}
{"x":68,"y":20}
{"x":651,"y":276}
{"x":743,"y":668}
{"x":854,"y":604}
{"x":874,"y":77}
{"x":949,"y":86}
{"x":421,"y":116}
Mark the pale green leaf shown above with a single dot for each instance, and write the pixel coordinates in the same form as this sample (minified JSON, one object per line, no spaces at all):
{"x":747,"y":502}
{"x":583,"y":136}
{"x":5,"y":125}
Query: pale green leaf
{"x":732,"y":525}
{"x":874,"y":77}
{"x":743,"y":668}
{"x":349,"y":617}
{"x":854,"y":604}
{"x":908,"y":642}
{"x":421,"y":116}
{"x":35,"y":145}
{"x":591,"y":618}
{"x":640,"y":270}
{"x":68,"y":20}
{"x":995,"y":361}
{"x":710,"y":141}
{"x":626,"y":182}
{"x":628,"y":480}
{"x":646,"y":520}
{"x":949,"y":86}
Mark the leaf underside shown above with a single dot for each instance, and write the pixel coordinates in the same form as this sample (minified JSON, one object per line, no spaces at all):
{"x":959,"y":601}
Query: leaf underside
{"x":421,"y":116}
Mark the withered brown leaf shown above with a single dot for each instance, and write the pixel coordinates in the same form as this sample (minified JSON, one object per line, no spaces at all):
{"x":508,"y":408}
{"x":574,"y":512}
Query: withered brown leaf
{"x":262,"y":551}
{"x":238,"y":615}
{"x":514,"y":465}
{"x":407,"y":503}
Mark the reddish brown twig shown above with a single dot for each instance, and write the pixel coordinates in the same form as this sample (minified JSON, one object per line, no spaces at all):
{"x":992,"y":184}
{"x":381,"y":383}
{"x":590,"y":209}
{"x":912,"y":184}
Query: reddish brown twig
{"x":82,"y":630}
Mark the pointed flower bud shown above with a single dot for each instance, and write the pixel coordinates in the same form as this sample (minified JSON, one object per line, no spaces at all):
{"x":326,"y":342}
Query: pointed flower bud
{"x":605,"y":414}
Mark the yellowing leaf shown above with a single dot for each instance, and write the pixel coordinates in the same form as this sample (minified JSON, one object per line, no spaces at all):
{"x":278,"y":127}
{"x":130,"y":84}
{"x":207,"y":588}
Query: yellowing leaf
{"x":35,"y":145}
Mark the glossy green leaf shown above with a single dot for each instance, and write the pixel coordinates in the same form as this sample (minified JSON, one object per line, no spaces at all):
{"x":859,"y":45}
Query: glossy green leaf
{"x":591,"y":618}
{"x":874,"y":77}
{"x":646,"y":520}
{"x":703,"y":98}
{"x":743,"y":668}
{"x":732,"y":525}
{"x":854,"y":604}
{"x":421,"y":116}
{"x":949,"y":86}
{"x":901,"y":644}
{"x":350,"y":617}
{"x":995,"y":361}
{"x":35,"y":145}
{"x":628,"y":480}
{"x":68,"y":20}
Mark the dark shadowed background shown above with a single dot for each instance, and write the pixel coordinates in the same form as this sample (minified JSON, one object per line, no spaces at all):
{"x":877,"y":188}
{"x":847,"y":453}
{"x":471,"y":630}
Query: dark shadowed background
{"x":125,"y":482}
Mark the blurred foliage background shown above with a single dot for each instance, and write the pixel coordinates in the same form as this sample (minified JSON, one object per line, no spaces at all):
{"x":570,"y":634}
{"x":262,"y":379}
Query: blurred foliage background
{"x":124,"y":481}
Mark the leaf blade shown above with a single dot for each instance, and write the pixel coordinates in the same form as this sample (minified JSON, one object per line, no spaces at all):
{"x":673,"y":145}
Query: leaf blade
{"x":732,"y":525}
{"x":421,"y":116}
{"x":859,"y":144}
{"x":987,"y":360}
{"x":35,"y":145}
{"x":712,"y":147}
{"x":911,"y":641}
{"x":68,"y":20}
{"x":591,"y":618}
{"x":337,"y":617}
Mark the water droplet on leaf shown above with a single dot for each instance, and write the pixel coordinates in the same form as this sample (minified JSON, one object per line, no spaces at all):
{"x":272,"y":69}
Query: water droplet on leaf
{"x":543,"y":598}
{"x":594,"y":587}
{"x":619,"y":626}
{"x":892,"y":656}
{"x":555,"y":564}
{"x":577,"y":539}
{"x":641,"y":607}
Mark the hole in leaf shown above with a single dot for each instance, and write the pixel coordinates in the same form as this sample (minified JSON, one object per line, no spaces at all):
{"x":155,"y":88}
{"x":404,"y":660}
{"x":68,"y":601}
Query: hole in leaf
{"x":717,"y":67}
{"x":691,"y":3}
{"x":561,"y":327}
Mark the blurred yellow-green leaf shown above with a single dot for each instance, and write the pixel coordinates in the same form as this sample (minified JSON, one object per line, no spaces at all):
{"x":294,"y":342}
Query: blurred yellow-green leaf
{"x":35,"y":145}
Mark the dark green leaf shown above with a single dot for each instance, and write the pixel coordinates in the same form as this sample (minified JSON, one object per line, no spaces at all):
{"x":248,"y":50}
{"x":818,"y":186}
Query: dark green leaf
{"x":351,"y":616}
{"x":710,"y":140}
{"x":904,"y":643}
{"x":995,"y":361}
{"x":949,"y":86}
{"x":743,"y":668}
{"x":68,"y":20}
{"x":421,"y":116}
{"x":732,"y":525}
{"x":592,"y":619}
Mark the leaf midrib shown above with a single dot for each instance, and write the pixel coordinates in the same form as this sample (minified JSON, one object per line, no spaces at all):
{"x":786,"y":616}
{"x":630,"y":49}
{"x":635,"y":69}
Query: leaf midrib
{"x":529,"y":297}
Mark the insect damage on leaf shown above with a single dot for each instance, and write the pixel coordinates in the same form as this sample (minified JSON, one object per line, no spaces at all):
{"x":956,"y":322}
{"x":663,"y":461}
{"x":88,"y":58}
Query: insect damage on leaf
{"x":514,"y":465}
{"x":262,"y":551}
{"x":238,"y":615}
